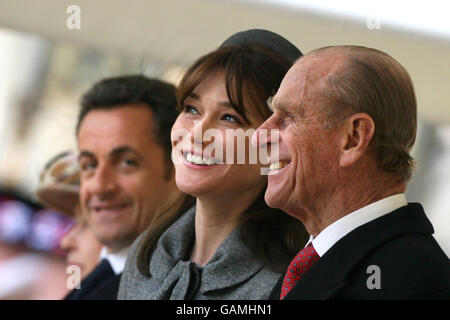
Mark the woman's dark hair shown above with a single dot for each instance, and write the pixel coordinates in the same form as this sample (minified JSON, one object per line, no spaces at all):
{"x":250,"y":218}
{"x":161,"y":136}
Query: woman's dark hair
{"x":252,"y":75}
{"x":272,"y":235}
{"x":176,"y":207}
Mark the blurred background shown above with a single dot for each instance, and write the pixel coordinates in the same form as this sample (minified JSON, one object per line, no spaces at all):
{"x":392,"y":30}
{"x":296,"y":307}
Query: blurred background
{"x":52,"y":51}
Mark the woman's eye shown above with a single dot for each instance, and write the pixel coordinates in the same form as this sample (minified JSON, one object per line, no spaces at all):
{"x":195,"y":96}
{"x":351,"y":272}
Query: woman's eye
{"x":230,"y":118}
{"x":190,"y":109}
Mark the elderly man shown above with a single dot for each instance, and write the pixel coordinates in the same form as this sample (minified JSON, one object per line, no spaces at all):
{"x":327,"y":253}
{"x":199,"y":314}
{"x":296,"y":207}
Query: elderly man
{"x":346,"y":117}
{"x":123,"y":135}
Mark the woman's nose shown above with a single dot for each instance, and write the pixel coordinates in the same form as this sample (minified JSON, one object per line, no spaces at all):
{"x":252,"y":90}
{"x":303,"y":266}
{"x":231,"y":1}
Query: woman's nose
{"x":203,"y":133}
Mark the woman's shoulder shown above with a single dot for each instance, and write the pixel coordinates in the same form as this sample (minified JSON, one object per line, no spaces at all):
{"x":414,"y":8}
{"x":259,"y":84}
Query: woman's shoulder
{"x":268,"y":275}
{"x":131,"y":277}
{"x":170,"y":244}
{"x":256,"y":287}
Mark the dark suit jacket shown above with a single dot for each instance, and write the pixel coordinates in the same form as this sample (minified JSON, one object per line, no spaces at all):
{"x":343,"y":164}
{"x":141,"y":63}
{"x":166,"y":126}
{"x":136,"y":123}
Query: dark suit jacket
{"x":101,"y":284}
{"x":411,"y":263}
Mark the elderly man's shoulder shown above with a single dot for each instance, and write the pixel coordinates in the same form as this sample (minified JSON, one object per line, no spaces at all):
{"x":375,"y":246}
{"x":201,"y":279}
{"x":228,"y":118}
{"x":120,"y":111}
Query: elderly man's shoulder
{"x":412,"y":266}
{"x":415,"y":254}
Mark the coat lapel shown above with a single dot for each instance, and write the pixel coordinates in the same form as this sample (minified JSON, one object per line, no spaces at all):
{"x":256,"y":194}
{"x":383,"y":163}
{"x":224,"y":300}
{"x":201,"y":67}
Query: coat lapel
{"x":103,"y":272}
{"x":232,"y":257}
{"x":331,"y":272}
{"x":176,"y":275}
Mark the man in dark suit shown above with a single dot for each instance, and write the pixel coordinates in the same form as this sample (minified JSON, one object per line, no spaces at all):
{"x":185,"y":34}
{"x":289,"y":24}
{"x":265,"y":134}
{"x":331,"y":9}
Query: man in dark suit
{"x":346,"y":118}
{"x":123,"y":136}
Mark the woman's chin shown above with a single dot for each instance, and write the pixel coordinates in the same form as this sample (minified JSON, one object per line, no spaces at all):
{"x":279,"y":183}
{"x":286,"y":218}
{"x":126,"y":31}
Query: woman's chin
{"x":192,"y":188}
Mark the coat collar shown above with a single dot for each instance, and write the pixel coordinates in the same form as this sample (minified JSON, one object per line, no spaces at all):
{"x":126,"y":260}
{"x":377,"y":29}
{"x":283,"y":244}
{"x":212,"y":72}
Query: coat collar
{"x":330,"y":273}
{"x":231,"y":264}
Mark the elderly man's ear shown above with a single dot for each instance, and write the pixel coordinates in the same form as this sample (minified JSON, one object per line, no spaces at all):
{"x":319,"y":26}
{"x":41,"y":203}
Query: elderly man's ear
{"x":357,"y":131}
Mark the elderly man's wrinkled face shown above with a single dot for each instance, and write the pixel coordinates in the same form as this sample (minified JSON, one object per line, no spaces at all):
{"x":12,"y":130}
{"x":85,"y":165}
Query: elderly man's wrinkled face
{"x":308,"y":151}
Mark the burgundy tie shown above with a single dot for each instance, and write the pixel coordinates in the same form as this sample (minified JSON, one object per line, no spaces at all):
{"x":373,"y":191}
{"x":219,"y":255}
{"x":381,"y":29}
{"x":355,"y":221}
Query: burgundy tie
{"x":301,"y":264}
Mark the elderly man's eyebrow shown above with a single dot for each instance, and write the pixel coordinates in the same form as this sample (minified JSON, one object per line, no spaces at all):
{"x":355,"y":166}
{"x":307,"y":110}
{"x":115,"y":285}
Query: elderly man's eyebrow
{"x":272,"y":105}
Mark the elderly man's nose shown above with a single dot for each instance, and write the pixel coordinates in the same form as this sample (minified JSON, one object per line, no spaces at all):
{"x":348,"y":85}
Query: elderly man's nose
{"x":262,"y":135}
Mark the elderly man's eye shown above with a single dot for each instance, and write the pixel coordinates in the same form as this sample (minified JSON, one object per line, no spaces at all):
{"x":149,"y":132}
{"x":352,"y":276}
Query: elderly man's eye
{"x":288,"y":119}
{"x":283,"y":119}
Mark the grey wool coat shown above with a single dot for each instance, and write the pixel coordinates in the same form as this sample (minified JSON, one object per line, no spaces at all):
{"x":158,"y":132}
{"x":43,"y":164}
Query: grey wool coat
{"x":232,"y":273}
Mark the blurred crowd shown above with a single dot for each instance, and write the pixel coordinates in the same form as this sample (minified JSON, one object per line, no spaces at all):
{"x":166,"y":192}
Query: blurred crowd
{"x":32,"y":263}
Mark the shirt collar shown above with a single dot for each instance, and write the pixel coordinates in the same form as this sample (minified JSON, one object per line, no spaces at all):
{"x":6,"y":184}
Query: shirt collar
{"x":338,"y":229}
{"x":115,"y":259}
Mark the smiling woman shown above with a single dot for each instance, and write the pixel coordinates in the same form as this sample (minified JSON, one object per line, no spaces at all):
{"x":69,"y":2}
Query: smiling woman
{"x":199,"y":174}
{"x":231,"y":245}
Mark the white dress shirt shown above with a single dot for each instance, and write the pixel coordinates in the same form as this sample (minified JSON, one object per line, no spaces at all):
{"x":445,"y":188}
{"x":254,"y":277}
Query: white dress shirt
{"x":338,"y":229}
{"x":116,"y":259}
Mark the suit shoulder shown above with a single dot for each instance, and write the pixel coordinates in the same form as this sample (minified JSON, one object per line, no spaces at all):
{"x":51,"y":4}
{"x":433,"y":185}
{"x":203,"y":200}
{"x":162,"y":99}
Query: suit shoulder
{"x":107,"y":290}
{"x":414,"y":248}
{"x":413,"y":264}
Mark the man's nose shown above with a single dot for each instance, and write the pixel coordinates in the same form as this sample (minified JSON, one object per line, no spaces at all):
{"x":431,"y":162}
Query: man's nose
{"x":263,"y":135}
{"x":103,"y":181}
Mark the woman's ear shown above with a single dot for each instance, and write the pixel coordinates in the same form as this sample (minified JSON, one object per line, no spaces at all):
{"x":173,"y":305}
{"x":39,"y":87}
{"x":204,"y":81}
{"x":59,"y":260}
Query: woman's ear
{"x":358,"y":130}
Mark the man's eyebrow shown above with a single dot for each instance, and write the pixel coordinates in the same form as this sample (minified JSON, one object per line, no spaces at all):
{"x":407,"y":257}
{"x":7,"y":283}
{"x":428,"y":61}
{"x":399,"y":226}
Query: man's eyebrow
{"x":123,"y":149}
{"x":270,"y":103}
{"x":272,"y":106}
{"x":84,"y":153}
{"x":113,"y":153}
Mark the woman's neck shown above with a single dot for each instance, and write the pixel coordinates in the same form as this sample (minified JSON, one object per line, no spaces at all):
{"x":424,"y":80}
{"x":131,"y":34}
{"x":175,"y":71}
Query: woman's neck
{"x":215,"y":219}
